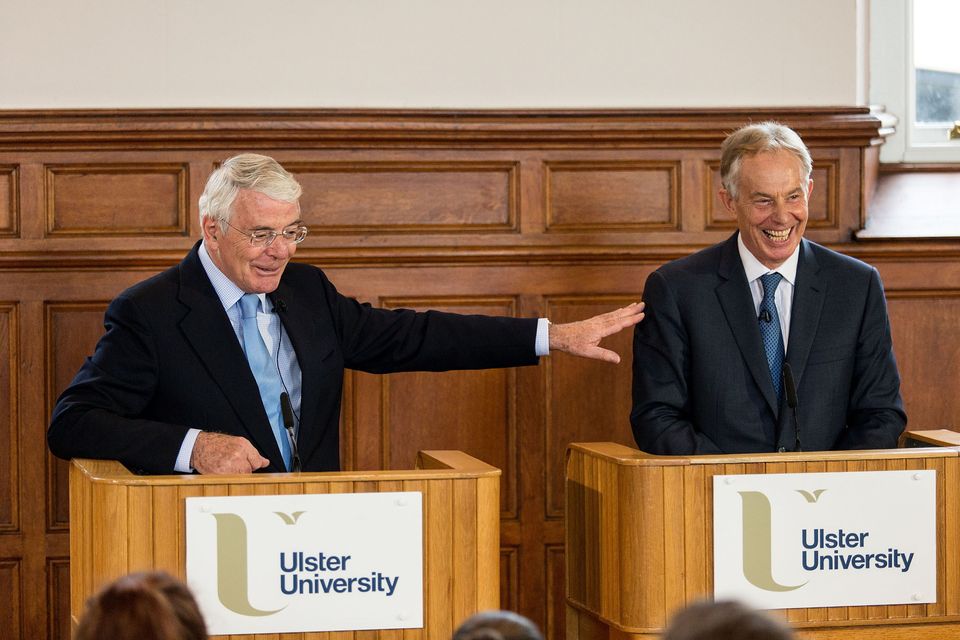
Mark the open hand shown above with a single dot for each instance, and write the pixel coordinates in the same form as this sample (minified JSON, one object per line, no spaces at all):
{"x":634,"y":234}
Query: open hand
{"x":583,"y":338}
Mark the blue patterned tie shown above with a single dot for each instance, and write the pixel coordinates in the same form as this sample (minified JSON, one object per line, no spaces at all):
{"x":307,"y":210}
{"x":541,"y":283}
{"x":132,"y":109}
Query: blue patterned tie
{"x":264,"y":370}
{"x":770,"y":331}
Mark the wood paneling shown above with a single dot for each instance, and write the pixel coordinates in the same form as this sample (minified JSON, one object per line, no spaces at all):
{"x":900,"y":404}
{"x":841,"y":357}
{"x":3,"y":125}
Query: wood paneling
{"x":560,"y":213}
{"x":579,"y":389}
{"x":72,"y":330}
{"x":409,"y":197}
{"x":9,"y":421}
{"x":58,"y":598}
{"x":475,"y":409}
{"x":142,"y":199}
{"x":925,"y":322}
{"x":9,"y":200}
{"x":11,"y":613}
{"x":612,"y":196}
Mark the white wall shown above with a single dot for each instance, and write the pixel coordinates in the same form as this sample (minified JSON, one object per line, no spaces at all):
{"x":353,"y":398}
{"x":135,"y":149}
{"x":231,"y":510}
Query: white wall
{"x":430,"y":53}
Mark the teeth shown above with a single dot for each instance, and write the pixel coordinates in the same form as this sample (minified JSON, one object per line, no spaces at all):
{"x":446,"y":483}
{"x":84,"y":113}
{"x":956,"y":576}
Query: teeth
{"x":777,"y":235}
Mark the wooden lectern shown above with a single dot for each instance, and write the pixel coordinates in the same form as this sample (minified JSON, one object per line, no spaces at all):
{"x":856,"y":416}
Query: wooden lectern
{"x":640,"y":541}
{"x":120,"y":522}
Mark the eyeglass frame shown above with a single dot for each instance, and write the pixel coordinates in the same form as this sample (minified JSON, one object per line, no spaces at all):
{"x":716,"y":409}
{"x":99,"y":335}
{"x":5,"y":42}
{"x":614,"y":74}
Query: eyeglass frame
{"x":271,"y":235}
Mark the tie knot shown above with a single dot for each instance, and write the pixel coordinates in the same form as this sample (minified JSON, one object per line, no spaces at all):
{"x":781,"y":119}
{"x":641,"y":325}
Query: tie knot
{"x":770,"y":281}
{"x":248,"y":305}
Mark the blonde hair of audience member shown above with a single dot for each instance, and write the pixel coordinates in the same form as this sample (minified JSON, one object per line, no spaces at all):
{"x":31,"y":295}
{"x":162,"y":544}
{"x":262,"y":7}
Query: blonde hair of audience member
{"x":142,"y":606}
{"x":497,"y":625}
{"x":725,"y":620}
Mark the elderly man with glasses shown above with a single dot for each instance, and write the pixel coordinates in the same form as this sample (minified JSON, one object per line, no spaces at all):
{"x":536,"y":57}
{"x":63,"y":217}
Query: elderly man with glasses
{"x":232,"y":361}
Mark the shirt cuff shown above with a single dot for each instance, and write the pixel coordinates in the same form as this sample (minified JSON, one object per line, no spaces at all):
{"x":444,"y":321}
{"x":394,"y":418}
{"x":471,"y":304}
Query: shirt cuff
{"x":543,"y":337}
{"x":186,"y":450}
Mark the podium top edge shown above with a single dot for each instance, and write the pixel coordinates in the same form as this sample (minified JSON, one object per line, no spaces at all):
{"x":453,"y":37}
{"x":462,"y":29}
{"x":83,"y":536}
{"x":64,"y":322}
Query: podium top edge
{"x":466,"y":467}
{"x":628,"y":456}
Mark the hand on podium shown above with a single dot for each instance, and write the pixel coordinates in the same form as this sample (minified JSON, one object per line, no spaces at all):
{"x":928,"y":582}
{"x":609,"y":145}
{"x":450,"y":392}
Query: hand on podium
{"x":220,"y":453}
{"x":583,"y":338}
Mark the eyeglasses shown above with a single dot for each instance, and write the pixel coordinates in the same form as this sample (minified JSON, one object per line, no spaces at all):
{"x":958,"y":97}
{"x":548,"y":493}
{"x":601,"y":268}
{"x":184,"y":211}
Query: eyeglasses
{"x":265,"y":237}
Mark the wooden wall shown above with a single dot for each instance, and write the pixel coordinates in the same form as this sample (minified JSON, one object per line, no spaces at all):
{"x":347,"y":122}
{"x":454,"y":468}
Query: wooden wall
{"x":561,"y":214}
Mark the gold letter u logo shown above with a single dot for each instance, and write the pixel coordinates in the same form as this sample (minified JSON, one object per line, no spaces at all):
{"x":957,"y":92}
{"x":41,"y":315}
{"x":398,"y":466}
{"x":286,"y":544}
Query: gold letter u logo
{"x":757,"y":543}
{"x":232,"y":565}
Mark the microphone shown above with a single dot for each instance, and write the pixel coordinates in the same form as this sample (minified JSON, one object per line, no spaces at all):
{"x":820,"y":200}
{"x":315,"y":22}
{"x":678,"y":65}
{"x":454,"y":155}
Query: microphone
{"x":765,"y":316}
{"x":280,"y":304}
{"x":286,"y":410}
{"x":790,"y":388}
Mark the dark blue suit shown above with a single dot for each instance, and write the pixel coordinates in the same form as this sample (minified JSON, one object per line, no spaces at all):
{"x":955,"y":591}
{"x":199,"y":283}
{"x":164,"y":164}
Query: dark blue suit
{"x":170,"y":360}
{"x":700,"y":377}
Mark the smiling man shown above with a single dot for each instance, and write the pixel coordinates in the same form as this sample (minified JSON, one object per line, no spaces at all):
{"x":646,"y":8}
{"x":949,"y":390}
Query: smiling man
{"x":765,"y":342}
{"x":232,"y":361}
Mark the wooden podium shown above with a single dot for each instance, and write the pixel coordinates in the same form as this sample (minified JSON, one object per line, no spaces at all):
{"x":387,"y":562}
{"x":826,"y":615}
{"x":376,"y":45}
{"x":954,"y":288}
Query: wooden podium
{"x":120,"y":522}
{"x":640,"y":541}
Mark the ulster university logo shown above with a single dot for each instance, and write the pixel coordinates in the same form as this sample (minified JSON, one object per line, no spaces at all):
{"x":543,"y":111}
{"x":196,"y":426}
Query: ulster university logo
{"x":232,"y":560}
{"x":785,"y":540}
{"x":758,"y":540}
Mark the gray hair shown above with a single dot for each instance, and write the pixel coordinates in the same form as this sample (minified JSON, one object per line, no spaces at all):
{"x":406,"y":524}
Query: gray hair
{"x":497,"y":625}
{"x":756,"y":138}
{"x":250,"y":171}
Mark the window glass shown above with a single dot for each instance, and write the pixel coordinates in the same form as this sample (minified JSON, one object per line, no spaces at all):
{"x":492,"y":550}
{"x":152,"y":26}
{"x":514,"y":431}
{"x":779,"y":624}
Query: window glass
{"x":936,"y":57}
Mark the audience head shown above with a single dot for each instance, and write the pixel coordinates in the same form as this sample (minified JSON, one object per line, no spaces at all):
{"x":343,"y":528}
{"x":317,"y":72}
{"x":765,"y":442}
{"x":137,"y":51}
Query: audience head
{"x":497,"y":625}
{"x":142,"y":606}
{"x":725,"y":620}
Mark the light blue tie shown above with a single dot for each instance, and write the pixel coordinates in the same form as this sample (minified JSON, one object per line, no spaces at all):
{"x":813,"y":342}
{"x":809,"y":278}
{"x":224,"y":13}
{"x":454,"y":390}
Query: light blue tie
{"x":264,"y":370}
{"x":770,"y":331}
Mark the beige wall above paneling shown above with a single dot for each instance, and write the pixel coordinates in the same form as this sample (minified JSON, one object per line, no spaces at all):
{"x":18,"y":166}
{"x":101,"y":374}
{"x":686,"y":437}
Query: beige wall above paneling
{"x":432,"y":54}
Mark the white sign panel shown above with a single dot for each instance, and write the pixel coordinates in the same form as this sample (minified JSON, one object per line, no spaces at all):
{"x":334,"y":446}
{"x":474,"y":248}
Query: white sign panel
{"x":277,"y":564}
{"x":825,"y":539}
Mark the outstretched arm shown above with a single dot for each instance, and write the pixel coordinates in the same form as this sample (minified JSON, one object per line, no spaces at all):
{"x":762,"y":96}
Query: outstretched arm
{"x":583,"y":338}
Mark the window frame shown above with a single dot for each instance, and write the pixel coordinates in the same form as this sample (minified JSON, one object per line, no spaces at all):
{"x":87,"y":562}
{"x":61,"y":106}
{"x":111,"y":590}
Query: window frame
{"x":893,"y":85}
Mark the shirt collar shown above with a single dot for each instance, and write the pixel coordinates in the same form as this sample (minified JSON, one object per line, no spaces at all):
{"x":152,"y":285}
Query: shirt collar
{"x":754,"y":268}
{"x":228,"y":292}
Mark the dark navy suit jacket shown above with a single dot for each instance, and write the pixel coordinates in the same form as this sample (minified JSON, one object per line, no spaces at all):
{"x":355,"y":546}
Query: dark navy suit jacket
{"x":170,"y":360}
{"x":700,"y":377}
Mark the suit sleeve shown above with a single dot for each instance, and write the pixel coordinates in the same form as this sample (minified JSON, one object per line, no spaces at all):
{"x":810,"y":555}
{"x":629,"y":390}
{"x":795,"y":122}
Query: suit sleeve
{"x":875,"y":416}
{"x":95,"y":417}
{"x":661,"y":362}
{"x":390,"y":340}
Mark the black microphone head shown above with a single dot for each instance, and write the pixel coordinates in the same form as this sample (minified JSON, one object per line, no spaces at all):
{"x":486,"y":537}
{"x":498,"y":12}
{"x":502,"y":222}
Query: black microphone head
{"x":286,"y":410}
{"x":789,"y":386}
{"x":765,"y":316}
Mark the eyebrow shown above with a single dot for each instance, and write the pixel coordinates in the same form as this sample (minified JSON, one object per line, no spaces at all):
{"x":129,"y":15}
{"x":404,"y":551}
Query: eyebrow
{"x":298,"y":222}
{"x":760,"y":194}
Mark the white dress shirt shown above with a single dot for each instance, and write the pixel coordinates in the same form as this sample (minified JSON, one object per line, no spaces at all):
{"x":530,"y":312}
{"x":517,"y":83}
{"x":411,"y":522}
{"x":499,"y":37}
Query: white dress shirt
{"x":783,"y":297}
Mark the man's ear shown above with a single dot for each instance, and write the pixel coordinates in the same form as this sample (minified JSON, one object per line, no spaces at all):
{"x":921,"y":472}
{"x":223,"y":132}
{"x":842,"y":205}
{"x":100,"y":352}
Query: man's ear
{"x":728,"y":201}
{"x":210,"y":228}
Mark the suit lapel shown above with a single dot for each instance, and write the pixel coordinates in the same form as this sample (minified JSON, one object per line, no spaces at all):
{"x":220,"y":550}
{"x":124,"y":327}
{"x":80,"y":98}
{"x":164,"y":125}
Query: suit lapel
{"x":208,"y":330}
{"x":805,"y":313}
{"x":737,"y":305}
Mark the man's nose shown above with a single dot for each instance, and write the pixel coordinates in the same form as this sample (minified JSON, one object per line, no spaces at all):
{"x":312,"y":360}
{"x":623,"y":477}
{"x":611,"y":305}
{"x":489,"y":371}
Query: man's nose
{"x":279,"y":248}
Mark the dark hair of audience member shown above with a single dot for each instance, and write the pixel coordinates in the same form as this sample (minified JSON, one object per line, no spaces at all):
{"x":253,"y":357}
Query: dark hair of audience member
{"x":497,"y":625}
{"x":725,"y":620}
{"x":142,"y":606}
